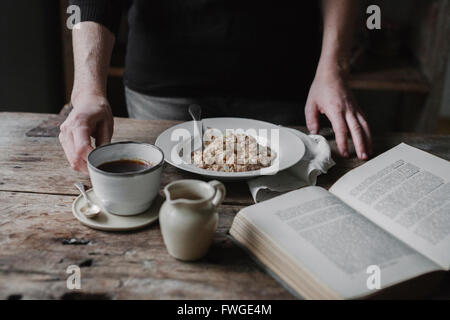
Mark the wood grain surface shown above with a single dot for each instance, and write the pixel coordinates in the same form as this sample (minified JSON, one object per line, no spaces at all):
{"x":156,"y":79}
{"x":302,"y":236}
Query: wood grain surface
{"x":39,"y":237}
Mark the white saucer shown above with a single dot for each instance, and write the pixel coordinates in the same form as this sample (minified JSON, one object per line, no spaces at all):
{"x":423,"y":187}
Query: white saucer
{"x":110,"y":222}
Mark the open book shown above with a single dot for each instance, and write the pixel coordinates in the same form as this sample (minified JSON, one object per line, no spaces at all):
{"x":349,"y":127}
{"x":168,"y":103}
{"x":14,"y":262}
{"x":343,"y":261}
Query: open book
{"x":391,"y":214}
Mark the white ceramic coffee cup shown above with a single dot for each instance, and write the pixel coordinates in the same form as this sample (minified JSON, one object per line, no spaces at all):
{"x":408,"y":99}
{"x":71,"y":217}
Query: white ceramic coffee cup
{"x":126,"y":193}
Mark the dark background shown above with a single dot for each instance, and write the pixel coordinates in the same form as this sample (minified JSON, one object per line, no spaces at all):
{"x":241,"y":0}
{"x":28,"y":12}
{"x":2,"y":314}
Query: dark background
{"x":30,"y":56}
{"x":400,"y":74}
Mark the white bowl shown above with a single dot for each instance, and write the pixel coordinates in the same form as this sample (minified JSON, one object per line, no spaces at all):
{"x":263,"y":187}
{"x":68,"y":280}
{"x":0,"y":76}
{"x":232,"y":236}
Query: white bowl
{"x":289,"y":148}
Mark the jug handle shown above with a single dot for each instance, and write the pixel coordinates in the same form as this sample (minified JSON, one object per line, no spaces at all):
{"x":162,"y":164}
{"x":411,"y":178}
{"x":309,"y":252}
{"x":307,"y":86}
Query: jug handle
{"x":219,"y":193}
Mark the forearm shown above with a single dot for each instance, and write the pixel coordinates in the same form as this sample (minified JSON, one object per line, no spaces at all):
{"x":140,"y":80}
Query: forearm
{"x":92,"y":48}
{"x":338,"y":22}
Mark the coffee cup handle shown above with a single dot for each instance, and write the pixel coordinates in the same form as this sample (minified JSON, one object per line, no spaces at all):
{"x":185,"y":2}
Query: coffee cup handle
{"x":219,"y":193}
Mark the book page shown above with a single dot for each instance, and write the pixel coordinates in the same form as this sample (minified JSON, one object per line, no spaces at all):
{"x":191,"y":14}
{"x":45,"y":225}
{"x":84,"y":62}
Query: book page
{"x":405,"y":191}
{"x":333,"y":242}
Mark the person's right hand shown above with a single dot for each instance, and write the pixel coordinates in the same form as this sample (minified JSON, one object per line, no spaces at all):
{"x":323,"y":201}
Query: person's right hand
{"x":91,"y":117}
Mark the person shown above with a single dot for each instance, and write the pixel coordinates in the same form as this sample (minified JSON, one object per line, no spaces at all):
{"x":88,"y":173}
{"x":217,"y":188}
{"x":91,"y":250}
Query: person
{"x":261,"y":59}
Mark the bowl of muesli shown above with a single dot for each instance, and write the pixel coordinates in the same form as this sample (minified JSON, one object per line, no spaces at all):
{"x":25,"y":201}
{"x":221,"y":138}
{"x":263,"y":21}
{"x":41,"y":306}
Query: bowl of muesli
{"x":232,"y":149}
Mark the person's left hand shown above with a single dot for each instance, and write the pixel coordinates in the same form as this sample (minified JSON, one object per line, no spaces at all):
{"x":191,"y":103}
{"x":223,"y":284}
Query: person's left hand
{"x":329,"y":95}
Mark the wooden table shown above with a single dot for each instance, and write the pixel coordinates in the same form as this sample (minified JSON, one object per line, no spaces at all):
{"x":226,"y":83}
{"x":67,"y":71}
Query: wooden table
{"x":39,"y":237}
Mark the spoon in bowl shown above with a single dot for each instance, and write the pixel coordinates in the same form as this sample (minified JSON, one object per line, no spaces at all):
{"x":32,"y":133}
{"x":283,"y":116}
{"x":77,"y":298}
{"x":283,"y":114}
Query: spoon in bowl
{"x":91,"y":210}
{"x":196,"y":113}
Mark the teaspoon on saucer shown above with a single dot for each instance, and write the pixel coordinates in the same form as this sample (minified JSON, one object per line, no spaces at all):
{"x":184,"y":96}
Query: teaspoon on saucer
{"x":91,"y":210}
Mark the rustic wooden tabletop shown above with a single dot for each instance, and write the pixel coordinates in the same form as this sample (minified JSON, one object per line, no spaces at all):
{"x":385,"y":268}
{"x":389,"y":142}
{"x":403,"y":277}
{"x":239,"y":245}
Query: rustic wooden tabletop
{"x":39,"y":237}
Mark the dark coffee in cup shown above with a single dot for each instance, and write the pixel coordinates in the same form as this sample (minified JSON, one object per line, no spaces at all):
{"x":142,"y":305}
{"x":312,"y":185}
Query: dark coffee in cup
{"x":124,"y":165}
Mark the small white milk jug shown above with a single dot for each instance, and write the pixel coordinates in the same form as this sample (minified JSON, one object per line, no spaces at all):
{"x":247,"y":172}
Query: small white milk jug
{"x":189,"y":218}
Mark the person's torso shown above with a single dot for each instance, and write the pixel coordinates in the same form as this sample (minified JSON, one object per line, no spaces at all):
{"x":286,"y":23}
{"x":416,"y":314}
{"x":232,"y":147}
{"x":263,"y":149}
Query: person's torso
{"x":240,"y":47}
